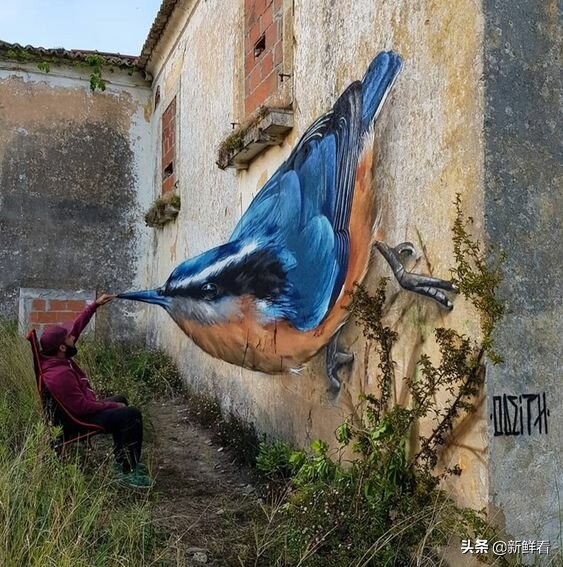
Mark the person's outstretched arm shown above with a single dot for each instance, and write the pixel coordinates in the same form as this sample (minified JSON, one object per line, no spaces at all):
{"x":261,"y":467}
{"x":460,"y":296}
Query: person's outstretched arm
{"x":83,"y":319}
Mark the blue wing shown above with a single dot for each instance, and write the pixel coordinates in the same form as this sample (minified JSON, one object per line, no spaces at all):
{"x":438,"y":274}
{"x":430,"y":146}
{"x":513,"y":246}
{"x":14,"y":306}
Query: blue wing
{"x":304,"y":208}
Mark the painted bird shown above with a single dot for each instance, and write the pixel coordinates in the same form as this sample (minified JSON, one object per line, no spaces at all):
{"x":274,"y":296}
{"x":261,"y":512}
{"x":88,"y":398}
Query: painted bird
{"x":276,"y":293}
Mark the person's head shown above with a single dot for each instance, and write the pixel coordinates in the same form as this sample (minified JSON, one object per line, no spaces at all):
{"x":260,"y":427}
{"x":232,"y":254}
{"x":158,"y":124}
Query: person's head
{"x":56,"y":340}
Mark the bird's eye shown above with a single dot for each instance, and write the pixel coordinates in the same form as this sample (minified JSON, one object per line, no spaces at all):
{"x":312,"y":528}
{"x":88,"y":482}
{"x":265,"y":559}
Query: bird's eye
{"x":209,"y":291}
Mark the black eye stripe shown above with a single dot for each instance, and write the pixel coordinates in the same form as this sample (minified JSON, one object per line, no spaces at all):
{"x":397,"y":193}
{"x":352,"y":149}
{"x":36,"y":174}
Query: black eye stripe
{"x":259,"y":274}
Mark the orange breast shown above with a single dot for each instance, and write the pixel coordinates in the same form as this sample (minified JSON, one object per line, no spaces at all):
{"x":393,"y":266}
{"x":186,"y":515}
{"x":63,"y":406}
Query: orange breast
{"x":278,"y":347}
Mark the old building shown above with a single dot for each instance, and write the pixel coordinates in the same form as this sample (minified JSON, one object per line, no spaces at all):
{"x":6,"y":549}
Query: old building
{"x":235,"y":84}
{"x":75,"y":177}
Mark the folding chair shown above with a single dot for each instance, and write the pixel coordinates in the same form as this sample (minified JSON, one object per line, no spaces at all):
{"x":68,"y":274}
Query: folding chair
{"x":56,"y":415}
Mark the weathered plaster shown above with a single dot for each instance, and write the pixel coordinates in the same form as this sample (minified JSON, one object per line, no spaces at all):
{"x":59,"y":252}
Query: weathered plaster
{"x":73,"y":185}
{"x":428,"y":147}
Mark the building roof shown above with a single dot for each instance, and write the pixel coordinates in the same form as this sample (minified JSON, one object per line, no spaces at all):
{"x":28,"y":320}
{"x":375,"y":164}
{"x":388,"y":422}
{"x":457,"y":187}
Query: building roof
{"x":17,"y":52}
{"x":156,"y":31}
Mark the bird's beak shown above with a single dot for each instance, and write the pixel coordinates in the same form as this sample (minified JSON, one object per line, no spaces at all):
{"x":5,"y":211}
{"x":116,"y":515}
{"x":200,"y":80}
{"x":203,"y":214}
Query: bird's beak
{"x":149,"y":296}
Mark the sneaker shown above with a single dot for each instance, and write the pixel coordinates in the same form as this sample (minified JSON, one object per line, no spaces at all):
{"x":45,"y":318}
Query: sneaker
{"x":136,"y":479}
{"x":118,"y":468}
{"x":143,"y":468}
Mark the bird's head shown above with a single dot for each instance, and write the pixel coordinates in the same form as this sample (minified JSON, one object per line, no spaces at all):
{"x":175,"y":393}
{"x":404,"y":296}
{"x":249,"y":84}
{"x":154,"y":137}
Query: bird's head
{"x":208,"y":288}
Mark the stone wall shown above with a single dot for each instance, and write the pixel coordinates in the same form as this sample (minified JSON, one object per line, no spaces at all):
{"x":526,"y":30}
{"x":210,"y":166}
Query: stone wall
{"x":74,"y":183}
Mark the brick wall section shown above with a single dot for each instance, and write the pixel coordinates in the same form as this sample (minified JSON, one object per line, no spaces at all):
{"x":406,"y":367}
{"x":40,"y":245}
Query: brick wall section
{"x":169,"y":147}
{"x":262,"y":19}
{"x":54,"y":311}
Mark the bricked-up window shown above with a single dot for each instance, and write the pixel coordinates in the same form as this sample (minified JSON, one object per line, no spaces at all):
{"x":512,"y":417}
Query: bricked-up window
{"x":39,"y":307}
{"x":263,"y":51}
{"x":169,"y":147}
{"x":55,"y":311}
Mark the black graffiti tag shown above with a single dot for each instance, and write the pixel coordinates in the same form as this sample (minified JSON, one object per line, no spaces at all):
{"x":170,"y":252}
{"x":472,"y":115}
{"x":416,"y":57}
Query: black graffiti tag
{"x":523,"y":414}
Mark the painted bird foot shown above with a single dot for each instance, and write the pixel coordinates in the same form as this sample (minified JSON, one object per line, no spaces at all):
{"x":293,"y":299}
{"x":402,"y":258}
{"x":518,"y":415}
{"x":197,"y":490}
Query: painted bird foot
{"x":417,"y":283}
{"x":335,"y":360}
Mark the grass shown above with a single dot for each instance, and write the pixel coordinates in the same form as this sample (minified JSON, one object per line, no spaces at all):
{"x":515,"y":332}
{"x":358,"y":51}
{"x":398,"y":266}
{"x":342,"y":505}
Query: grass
{"x":132,"y":371}
{"x":228,"y":429}
{"x":62,"y":512}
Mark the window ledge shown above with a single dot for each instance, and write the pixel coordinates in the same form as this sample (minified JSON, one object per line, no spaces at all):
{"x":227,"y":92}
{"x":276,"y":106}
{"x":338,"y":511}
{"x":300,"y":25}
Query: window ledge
{"x":268,"y":128}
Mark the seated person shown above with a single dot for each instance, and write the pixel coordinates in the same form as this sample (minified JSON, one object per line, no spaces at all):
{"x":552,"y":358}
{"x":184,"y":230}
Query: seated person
{"x":70,"y":387}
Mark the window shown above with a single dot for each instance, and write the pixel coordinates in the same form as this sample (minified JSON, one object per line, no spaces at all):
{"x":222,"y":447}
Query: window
{"x":263,"y":52}
{"x":157,"y":97}
{"x":169,"y":147}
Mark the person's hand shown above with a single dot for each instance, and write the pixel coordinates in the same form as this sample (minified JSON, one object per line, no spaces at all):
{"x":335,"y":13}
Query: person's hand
{"x":103,"y":299}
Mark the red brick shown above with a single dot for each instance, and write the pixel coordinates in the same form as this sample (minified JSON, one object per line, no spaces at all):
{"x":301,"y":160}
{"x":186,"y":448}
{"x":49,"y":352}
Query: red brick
{"x":266,"y":18}
{"x":259,"y":7}
{"x":40,"y":317}
{"x":38,"y":304}
{"x":75,"y":304}
{"x":254,"y":79}
{"x":171,"y":108}
{"x":57,"y":305}
{"x":249,"y":13}
{"x":267,"y":87}
{"x":34,"y":316}
{"x":255,"y":33}
{"x":249,"y":104}
{"x":168,"y":184}
{"x":272,"y":36}
{"x":167,"y":158}
{"x":52,"y":317}
{"x":267,"y":64}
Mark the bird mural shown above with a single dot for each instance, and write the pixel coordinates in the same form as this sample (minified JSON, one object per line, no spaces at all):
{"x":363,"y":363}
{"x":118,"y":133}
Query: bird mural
{"x":276,"y":293}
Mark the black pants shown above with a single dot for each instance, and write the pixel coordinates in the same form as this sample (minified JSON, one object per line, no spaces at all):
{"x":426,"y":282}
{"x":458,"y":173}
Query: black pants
{"x":126,"y":426}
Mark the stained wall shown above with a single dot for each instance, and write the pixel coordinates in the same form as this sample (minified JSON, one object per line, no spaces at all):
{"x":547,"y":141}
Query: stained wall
{"x":74,"y":181}
{"x":428,"y":147}
{"x":523,"y":211}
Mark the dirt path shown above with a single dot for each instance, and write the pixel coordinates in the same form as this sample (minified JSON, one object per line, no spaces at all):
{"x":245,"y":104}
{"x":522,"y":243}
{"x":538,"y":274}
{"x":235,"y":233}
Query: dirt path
{"x":201,"y":495}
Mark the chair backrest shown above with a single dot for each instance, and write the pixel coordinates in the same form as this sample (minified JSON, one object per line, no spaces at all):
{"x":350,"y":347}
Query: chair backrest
{"x":55,"y":413}
{"x":34,"y":341}
{"x":50,"y":410}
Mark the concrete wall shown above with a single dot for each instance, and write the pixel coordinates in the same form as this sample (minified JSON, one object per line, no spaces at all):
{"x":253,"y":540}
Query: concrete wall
{"x":74,"y":180}
{"x":429,"y":146}
{"x":523,"y":211}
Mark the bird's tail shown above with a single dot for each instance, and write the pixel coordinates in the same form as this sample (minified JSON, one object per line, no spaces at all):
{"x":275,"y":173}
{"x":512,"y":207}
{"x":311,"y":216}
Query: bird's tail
{"x":377,"y":83}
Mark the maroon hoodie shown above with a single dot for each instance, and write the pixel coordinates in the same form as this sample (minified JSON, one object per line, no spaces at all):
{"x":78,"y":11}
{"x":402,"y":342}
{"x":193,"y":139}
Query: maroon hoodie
{"x":67,"y":382}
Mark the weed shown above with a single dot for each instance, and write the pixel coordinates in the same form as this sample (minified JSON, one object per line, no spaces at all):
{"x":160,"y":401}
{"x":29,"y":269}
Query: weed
{"x":134,"y":372}
{"x":373,"y":500}
{"x":227,"y":429}
{"x":163,"y":210}
{"x":52,"y":511}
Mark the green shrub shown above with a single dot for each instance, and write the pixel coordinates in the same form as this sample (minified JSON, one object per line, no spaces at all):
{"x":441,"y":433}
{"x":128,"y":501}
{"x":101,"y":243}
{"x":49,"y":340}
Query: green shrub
{"x":376,"y":499}
{"x":134,"y":372}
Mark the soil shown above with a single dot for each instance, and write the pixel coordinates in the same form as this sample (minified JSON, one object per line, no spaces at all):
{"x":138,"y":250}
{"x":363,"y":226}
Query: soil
{"x":202,"y":497}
